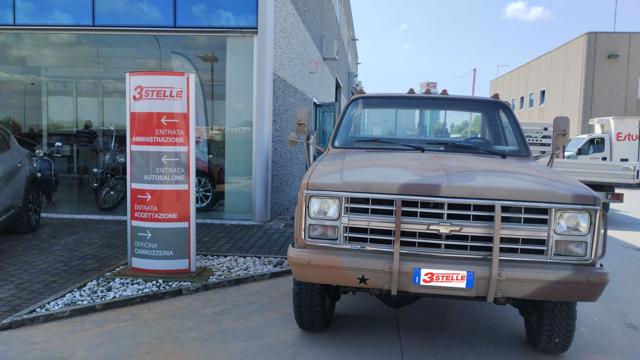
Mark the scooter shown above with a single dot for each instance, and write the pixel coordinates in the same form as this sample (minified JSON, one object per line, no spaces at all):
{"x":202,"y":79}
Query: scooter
{"x":47,"y":175}
{"x":109,"y":182}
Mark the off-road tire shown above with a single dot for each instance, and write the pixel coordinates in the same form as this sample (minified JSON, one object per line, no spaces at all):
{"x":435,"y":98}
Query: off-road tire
{"x":28,"y":216}
{"x":313,"y":306}
{"x":550,"y":325}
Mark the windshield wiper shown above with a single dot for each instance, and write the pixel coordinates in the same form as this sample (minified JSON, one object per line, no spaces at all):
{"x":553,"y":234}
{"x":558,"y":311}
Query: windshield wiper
{"x":454,"y":144}
{"x":381,"y":141}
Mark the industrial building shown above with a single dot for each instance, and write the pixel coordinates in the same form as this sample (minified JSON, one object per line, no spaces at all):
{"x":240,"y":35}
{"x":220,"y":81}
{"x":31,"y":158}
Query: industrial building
{"x":594,"y":75}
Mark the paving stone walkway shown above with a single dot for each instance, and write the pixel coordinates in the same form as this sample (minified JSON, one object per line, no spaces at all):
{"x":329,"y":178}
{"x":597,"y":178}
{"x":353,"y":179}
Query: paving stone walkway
{"x":63,"y":253}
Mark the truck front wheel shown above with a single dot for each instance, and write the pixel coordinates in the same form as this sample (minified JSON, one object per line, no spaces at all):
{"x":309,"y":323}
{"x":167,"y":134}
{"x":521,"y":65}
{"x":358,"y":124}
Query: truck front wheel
{"x":550,"y":325}
{"x":313,"y":305}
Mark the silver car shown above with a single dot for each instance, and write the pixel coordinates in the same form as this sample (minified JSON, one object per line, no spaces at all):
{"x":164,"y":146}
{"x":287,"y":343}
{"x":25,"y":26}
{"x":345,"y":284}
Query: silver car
{"x":20,"y":197}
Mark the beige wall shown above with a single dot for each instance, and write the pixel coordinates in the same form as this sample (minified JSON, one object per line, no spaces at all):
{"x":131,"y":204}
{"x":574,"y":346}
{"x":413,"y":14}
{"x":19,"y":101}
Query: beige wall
{"x":560,"y":73}
{"x":614,"y":89}
{"x":581,"y":79}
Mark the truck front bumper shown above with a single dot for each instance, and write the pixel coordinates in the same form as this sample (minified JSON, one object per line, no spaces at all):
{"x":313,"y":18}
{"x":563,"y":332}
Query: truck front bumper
{"x":516,"y":279}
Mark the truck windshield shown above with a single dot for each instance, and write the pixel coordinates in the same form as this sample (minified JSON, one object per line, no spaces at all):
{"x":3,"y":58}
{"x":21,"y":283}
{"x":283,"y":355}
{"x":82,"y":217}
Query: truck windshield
{"x":431,"y":124}
{"x":574,"y":144}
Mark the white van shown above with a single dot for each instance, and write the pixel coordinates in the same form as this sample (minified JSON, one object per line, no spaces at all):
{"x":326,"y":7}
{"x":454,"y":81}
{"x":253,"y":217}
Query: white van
{"x":614,"y":139}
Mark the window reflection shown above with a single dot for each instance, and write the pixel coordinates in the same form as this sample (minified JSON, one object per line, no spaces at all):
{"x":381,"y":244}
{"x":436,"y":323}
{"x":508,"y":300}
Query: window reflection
{"x":70,"y":87}
{"x":134,"y":12}
{"x":54,"y":12}
{"x":217,"y":13}
{"x":6,"y":12}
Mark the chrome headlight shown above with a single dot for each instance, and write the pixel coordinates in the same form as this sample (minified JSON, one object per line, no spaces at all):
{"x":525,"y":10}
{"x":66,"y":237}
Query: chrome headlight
{"x":324,"y":208}
{"x":572,"y":223}
{"x":121,"y":159}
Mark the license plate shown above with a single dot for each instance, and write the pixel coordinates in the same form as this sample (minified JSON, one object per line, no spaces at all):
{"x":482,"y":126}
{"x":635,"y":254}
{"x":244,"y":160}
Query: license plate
{"x":443,"y":278}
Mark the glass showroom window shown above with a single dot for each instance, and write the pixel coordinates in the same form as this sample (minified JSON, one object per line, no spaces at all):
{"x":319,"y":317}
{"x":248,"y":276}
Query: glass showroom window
{"x":531,"y":100}
{"x":6,"y":12}
{"x":521,"y":104}
{"x":217,"y":13}
{"x":134,"y":13}
{"x":58,"y":12}
{"x":543,"y":97}
{"x":70,"y":87}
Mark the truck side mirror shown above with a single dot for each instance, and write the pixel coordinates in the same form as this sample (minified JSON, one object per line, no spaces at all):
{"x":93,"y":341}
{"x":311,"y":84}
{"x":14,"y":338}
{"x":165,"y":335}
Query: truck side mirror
{"x":560,"y":138}
{"x":294,"y":139}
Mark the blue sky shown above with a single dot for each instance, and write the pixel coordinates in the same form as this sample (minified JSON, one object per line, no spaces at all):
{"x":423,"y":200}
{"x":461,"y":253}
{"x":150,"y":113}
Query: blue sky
{"x":404,"y":42}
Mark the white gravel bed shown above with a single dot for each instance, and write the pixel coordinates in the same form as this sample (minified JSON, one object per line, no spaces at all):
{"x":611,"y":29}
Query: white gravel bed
{"x":107,"y":288}
{"x":233,"y":266}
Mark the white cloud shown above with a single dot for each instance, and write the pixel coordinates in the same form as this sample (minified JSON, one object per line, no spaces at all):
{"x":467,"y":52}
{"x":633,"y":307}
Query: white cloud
{"x":520,"y":10}
{"x":403,"y":27}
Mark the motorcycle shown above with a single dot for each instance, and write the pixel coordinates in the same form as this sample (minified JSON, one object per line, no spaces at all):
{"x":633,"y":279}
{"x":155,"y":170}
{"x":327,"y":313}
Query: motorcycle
{"x":109,"y":182}
{"x":46,"y":171}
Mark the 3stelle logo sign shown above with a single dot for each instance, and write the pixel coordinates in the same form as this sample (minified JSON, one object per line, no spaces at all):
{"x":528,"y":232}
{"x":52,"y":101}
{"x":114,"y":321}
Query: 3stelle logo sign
{"x":161,"y":171}
{"x":445,"y":278}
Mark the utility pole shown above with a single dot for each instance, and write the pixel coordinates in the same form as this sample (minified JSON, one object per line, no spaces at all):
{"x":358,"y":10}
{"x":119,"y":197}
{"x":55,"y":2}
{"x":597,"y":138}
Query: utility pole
{"x":473,"y":83}
{"x":473,"y":80}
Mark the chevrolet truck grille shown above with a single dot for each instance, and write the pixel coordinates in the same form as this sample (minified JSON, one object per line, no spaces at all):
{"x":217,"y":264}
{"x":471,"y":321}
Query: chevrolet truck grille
{"x":451,"y":226}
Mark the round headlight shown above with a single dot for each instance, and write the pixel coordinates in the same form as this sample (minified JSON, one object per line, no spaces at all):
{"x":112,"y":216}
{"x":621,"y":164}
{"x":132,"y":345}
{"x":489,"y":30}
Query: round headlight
{"x":39,"y":153}
{"x":324,"y":208}
{"x":572,"y":223}
{"x":121,"y":158}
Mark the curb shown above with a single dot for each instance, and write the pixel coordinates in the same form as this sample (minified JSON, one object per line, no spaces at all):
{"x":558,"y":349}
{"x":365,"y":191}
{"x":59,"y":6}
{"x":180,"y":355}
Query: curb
{"x":23,"y":318}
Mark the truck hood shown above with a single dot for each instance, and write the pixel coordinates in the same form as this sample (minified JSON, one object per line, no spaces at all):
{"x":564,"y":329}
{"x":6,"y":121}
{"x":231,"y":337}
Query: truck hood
{"x":454,"y":175}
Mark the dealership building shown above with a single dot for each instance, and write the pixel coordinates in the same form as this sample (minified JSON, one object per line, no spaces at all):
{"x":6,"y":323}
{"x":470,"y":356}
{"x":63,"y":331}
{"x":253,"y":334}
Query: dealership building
{"x":261,"y":66}
{"x":594,"y":75}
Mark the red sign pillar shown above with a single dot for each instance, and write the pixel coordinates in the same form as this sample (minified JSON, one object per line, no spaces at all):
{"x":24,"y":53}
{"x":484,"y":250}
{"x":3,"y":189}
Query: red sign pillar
{"x":161,"y":171}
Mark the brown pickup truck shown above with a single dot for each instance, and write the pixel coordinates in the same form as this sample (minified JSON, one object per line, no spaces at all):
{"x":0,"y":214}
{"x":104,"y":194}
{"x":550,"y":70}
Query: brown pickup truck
{"x":427,"y":195}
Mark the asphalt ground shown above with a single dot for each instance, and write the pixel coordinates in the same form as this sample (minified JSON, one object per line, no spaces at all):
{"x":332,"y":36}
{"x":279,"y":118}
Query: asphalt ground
{"x":255,"y":321}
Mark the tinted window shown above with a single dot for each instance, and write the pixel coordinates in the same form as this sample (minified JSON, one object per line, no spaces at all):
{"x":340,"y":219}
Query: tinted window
{"x":54,"y":12}
{"x":531,"y":100}
{"x":6,"y":12}
{"x":134,"y":13}
{"x":543,"y":97}
{"x":217,"y":13}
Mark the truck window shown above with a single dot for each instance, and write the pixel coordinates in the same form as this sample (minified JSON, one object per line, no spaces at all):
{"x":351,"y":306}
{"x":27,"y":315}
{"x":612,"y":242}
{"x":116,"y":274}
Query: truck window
{"x":593,"y":146}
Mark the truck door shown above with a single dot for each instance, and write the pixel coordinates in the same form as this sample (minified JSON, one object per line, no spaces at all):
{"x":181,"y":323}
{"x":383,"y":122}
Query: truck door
{"x":593,"y":149}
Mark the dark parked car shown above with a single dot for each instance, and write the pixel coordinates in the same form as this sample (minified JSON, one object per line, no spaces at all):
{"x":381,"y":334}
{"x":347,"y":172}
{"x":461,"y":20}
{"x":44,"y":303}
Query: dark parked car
{"x":20,"y":197}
